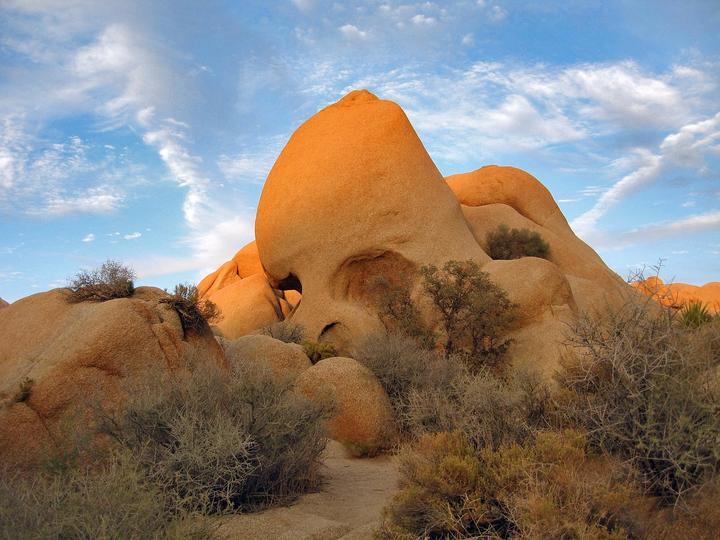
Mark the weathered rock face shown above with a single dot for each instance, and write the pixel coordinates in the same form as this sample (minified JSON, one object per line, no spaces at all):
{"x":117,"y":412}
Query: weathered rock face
{"x":362,"y":416}
{"x":284,"y":359}
{"x":58,"y":360}
{"x":354,"y":197}
{"x":492,"y":196}
{"x":244,"y":296}
{"x":677,"y":295}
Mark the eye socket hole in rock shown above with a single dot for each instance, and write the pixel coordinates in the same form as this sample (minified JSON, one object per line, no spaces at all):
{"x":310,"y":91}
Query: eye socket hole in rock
{"x":358,"y":276}
{"x":290,"y":283}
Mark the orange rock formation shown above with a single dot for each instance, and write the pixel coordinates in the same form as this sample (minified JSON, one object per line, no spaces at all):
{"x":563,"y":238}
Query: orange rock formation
{"x":677,"y":295}
{"x":58,"y":361}
{"x":354,"y":197}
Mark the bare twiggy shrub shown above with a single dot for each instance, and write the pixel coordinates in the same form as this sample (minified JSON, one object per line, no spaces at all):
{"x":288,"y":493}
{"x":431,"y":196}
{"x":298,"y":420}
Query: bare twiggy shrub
{"x":217,"y":443}
{"x":286,"y":331}
{"x":645,"y":387}
{"x":505,"y":243}
{"x":111,"y":280}
{"x":194,"y":313}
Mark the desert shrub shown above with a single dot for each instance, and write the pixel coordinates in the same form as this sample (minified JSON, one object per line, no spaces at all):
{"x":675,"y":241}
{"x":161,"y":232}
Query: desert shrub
{"x":645,"y":388}
{"x":505,"y":243}
{"x":695,"y":314}
{"x":400,"y":315}
{"x":115,"y":500}
{"x":430,"y":393}
{"x":318,"y":351}
{"x":286,"y":331}
{"x":474,"y":312}
{"x":194,"y":313}
{"x":546,"y":488}
{"x":111,"y":280}
{"x":218,"y":443}
{"x":403,"y":366}
{"x":487,"y":410}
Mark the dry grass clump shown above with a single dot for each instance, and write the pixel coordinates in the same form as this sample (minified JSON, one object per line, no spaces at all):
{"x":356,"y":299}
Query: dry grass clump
{"x":111,"y":280}
{"x":645,"y":387}
{"x":218,"y":444}
{"x":505,"y":243}
{"x":194,"y":313}
{"x":286,"y":331}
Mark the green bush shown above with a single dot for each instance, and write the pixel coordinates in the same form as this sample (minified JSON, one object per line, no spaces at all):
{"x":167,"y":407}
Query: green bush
{"x":286,"y":331}
{"x":219,"y":443}
{"x":474,"y":312}
{"x":505,"y":243}
{"x":111,"y":280}
{"x":194,"y":313}
{"x":646,"y":390}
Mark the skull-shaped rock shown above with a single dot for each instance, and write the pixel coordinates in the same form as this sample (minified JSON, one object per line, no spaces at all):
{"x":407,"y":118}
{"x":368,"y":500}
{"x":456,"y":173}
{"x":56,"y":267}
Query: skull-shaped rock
{"x":354,"y":197}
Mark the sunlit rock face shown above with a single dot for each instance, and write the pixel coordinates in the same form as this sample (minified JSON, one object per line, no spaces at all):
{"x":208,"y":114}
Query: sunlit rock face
{"x":354,"y":197}
{"x":678,"y":295}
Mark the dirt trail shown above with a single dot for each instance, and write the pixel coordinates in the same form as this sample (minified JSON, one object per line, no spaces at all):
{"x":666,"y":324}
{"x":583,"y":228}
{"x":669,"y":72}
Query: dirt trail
{"x":348,"y":507}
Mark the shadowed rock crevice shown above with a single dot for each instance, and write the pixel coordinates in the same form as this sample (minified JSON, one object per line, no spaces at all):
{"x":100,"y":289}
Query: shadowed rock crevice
{"x":357,"y":278}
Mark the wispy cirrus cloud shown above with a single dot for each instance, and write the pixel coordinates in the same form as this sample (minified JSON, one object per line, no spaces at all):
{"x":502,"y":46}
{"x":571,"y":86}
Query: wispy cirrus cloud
{"x":688,"y":147}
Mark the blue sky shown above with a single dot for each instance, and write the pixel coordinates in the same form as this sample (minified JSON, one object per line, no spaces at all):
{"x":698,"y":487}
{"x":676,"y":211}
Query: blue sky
{"x":142,"y":131}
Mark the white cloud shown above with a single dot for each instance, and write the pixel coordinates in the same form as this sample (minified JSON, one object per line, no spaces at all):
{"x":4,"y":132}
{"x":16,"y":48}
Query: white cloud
{"x":303,"y":5}
{"x":99,"y":200}
{"x":685,"y":148}
{"x":497,"y":13}
{"x":249,"y":167}
{"x":350,"y":31}
{"x":90,"y":237}
{"x":468,"y":40}
{"x":709,"y":221}
{"x":648,"y":172}
{"x":423,"y":20}
{"x":132,"y":236}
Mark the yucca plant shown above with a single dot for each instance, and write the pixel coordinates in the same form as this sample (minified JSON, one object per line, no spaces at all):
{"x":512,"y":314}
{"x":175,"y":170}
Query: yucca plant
{"x":695,"y":313}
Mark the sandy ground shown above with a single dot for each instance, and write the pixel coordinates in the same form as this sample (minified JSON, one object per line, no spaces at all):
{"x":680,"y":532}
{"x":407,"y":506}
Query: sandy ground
{"x":348,"y":507}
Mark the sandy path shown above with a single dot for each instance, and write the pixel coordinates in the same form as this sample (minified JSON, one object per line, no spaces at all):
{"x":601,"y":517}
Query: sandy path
{"x":348,"y":507}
